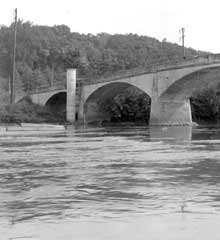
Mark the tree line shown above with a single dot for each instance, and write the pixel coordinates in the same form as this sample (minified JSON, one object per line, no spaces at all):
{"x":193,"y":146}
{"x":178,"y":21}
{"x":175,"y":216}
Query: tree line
{"x":44,"y":53}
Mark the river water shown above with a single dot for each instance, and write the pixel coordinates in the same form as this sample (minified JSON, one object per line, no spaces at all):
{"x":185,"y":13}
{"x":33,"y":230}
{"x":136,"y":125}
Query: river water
{"x":110,"y":183}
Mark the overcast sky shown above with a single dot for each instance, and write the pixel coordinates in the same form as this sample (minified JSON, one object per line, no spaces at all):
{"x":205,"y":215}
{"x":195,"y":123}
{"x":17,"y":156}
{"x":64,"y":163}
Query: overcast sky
{"x":154,"y":18}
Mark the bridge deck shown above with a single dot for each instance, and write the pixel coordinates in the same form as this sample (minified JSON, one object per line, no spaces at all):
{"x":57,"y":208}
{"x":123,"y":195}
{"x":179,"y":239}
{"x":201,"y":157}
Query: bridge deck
{"x":201,"y":61}
{"x":155,"y":68}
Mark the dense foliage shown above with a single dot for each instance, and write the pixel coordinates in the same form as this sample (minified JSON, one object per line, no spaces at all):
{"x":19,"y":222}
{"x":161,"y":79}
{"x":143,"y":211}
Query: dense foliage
{"x":44,"y":52}
{"x":131,"y":105}
{"x":205,"y":105}
{"x":26,"y":111}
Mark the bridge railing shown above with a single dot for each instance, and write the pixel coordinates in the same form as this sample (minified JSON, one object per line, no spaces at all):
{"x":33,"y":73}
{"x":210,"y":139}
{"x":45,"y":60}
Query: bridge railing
{"x":159,"y":66}
{"x":46,"y":88}
{"x":209,"y":59}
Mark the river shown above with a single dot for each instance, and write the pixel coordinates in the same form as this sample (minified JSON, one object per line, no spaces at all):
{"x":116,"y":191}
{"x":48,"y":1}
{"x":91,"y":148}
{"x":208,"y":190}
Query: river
{"x":110,"y":183}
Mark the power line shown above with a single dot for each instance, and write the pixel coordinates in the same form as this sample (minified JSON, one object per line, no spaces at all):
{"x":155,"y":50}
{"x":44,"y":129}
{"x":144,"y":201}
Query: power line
{"x":182,"y":38}
{"x":12,"y":85}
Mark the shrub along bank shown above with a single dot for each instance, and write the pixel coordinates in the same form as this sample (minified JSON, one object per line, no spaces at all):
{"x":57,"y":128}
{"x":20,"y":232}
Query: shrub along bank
{"x":28,"y":112}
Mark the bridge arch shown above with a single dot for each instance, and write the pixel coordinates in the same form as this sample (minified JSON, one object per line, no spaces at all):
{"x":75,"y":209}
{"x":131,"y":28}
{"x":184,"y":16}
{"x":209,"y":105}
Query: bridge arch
{"x":173,"y":105}
{"x":170,"y":87}
{"x":42,"y":98}
{"x":184,"y":87}
{"x":96,"y":106}
{"x":57,"y":101}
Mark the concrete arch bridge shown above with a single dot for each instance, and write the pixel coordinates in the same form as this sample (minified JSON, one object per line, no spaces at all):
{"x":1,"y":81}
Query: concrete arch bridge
{"x":169,"y":88}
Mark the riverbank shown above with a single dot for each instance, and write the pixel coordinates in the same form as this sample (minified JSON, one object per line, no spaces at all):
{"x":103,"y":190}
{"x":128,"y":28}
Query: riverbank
{"x":28,"y":112}
{"x":30,"y":127}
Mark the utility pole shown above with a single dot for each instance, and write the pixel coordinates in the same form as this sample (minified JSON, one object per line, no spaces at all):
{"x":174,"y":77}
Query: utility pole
{"x":12,"y":85}
{"x":182,"y":38}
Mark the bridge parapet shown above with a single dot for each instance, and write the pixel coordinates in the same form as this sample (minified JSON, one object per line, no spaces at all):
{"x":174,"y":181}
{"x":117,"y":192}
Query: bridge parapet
{"x":44,"y":88}
{"x":197,"y":61}
{"x":169,"y":65}
{"x":56,"y":87}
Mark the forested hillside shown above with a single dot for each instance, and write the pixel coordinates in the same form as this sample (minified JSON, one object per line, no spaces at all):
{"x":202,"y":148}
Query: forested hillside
{"x":45,"y":52}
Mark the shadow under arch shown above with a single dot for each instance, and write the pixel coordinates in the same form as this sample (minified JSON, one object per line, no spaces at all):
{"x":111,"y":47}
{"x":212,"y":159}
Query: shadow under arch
{"x":96,"y":107}
{"x":197,"y":81}
{"x":57,"y":102}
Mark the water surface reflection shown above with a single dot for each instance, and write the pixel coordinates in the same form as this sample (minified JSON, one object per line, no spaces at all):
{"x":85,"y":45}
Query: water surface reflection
{"x":113,"y":174}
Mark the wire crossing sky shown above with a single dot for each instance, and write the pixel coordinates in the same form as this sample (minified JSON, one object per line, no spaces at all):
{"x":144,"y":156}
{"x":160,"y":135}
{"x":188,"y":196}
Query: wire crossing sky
{"x":155,"y":18}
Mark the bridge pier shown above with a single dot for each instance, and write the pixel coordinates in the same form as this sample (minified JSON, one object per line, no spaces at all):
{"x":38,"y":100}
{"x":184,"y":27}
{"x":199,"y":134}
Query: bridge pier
{"x":71,"y":95}
{"x":170,"y":112}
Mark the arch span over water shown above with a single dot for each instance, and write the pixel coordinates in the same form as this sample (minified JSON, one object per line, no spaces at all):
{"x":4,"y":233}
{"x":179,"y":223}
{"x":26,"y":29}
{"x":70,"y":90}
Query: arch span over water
{"x":96,"y":105}
{"x":173,"y":106}
{"x":184,"y":87}
{"x":57,"y":102}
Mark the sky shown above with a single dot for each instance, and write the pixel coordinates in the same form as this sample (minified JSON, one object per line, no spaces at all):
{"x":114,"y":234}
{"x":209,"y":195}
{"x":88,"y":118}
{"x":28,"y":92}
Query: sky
{"x":155,"y":18}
